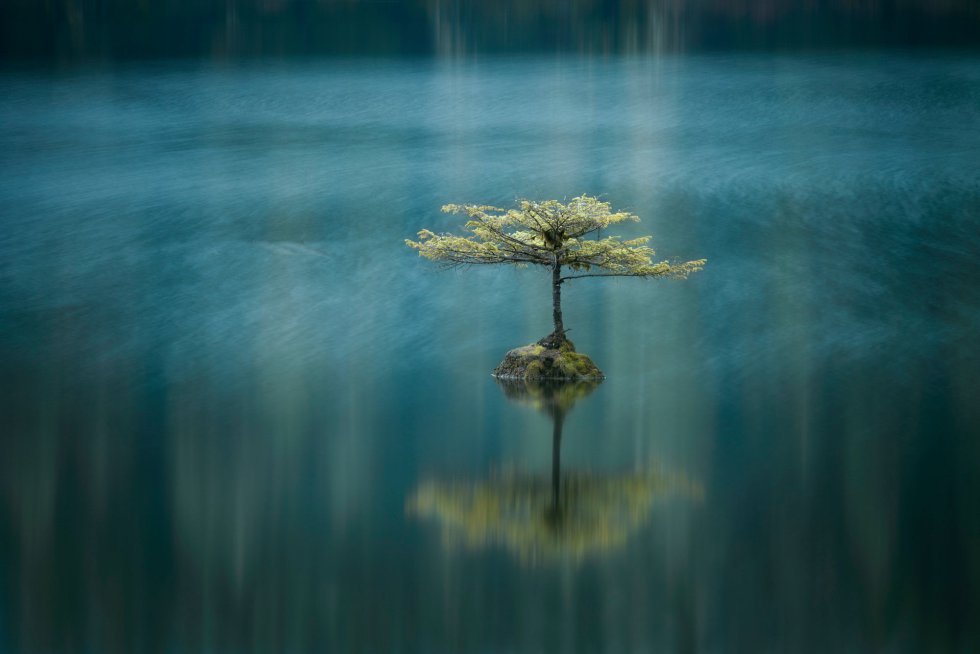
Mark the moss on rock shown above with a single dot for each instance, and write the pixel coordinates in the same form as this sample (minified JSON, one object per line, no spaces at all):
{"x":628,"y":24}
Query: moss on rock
{"x":536,"y":361}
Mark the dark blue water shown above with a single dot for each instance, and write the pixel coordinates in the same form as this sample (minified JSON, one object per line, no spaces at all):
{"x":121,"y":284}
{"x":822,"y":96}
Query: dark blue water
{"x":227,"y":383}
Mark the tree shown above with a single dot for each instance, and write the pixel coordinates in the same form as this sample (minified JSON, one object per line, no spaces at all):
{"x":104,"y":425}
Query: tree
{"x":552,"y":235}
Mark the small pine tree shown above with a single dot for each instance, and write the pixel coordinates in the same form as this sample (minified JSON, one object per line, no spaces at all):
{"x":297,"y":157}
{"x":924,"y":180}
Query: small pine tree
{"x":552,"y":235}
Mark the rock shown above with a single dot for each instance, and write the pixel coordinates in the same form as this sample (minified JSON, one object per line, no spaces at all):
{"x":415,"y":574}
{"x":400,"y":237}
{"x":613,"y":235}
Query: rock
{"x":538,"y":361}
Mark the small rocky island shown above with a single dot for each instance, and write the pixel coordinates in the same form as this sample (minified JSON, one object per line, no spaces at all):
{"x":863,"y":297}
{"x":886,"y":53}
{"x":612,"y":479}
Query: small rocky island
{"x":550,"y":358}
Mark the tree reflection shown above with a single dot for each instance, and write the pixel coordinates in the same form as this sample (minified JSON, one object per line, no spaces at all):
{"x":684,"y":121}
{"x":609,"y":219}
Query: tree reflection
{"x":570,"y":515}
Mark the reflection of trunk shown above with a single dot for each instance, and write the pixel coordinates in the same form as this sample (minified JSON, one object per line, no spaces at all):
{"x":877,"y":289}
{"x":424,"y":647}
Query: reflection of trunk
{"x":559,"y":419}
{"x":559,"y":332}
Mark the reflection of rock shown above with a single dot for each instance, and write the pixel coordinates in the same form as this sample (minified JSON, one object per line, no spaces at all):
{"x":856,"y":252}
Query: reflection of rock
{"x":549,"y":395}
{"x":595,"y":513}
{"x":542,"y":360}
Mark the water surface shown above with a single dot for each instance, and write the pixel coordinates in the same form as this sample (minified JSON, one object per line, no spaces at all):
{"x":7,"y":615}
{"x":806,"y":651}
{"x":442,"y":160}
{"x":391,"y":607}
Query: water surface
{"x":226,"y":378}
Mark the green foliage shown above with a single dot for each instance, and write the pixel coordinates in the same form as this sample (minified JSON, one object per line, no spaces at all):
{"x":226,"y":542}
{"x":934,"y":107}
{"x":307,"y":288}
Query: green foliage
{"x":549,"y":234}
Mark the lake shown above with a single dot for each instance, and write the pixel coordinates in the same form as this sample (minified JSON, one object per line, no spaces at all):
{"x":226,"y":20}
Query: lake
{"x":240,"y":415}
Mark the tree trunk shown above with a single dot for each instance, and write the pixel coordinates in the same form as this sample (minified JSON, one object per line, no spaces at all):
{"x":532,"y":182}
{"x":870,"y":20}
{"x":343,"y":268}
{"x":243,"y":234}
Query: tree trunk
{"x":559,"y":333}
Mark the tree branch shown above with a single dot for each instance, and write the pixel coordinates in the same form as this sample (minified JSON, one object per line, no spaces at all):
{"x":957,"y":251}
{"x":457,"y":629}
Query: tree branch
{"x":507,"y":237}
{"x":612,"y":275}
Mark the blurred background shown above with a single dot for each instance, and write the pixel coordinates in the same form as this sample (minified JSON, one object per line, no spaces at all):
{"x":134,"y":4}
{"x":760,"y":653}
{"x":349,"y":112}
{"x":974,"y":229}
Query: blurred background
{"x":238,"y":414}
{"x":119,"y":29}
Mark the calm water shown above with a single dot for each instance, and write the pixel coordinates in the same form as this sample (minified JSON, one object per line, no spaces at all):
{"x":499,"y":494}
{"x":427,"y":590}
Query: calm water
{"x":239,"y":415}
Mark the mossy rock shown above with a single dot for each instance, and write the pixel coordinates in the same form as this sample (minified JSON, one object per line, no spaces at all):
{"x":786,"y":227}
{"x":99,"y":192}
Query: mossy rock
{"x":536,"y":361}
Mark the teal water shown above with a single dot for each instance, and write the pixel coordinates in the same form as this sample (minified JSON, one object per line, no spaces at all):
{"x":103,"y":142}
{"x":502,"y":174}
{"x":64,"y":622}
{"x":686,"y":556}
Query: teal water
{"x":226,"y":381}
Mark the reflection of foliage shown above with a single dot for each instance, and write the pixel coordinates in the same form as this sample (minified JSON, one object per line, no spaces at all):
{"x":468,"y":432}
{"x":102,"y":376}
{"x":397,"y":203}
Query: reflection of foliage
{"x":550,"y":396}
{"x":596,"y":513}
